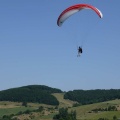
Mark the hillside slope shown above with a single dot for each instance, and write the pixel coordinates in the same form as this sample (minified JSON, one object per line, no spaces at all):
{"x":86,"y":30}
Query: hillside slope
{"x":92,"y":96}
{"x":85,"y":112}
{"x":63,"y":102}
{"x":31,"y":93}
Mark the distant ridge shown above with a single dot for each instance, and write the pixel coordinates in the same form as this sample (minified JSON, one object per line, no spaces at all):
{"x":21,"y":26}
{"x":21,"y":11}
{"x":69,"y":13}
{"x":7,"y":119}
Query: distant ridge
{"x":44,"y":94}
{"x":92,"y":96}
{"x":31,"y":93}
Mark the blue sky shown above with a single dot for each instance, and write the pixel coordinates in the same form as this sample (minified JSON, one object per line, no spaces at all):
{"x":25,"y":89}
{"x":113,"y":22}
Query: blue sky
{"x":34,"y":50}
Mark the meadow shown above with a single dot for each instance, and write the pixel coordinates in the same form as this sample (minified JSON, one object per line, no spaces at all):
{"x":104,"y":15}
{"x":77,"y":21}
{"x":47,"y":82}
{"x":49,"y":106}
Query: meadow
{"x":84,"y":112}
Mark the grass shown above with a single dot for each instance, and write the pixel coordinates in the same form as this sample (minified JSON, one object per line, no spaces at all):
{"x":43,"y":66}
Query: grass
{"x":108,"y":115}
{"x":63,"y":102}
{"x":8,"y":111}
{"x":48,"y":117}
{"x":83,"y":112}
{"x":8,"y":108}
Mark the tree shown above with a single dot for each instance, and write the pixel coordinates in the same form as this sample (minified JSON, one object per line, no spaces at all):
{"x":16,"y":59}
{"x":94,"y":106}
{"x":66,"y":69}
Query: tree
{"x":24,"y":103}
{"x":114,"y":117}
{"x":40,"y":109}
{"x":64,"y":115}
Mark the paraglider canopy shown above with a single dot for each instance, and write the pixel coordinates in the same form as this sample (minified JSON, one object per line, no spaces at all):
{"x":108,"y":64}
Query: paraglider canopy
{"x":76,"y":8}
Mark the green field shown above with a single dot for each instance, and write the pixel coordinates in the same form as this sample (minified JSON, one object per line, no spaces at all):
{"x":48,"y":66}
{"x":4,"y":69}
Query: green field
{"x":63,"y":102}
{"x":84,"y":112}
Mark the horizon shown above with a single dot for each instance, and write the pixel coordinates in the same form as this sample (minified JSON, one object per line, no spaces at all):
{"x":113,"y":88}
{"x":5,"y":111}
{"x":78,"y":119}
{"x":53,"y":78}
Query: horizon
{"x":35,"y":50}
{"x":59,"y":88}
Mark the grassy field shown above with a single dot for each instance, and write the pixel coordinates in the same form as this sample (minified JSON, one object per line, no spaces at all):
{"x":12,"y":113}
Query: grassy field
{"x":84,"y":112}
{"x":63,"y":102}
{"x":8,"y":108}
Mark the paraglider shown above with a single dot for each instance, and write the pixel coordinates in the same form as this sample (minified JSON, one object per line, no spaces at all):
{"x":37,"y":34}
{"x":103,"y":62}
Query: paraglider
{"x":74,"y":9}
{"x":79,"y":51}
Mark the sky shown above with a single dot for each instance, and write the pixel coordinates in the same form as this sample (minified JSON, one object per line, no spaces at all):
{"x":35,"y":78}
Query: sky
{"x":35,"y":51}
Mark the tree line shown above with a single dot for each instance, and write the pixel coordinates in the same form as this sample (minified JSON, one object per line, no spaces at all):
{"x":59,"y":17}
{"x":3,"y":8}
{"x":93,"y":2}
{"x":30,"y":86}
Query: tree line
{"x":92,"y":96}
{"x":32,"y":93}
{"x":109,"y":108}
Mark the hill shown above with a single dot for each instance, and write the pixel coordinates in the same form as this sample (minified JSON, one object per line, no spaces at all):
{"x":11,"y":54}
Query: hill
{"x":48,"y":95}
{"x":84,"y":97}
{"x":84,"y":112}
{"x":97,"y":110}
{"x":31,"y":93}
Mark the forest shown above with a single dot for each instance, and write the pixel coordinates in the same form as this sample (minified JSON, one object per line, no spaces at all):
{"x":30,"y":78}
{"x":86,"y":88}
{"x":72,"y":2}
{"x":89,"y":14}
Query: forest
{"x":44,"y":94}
{"x":32,"y":93}
{"x":84,"y":97}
